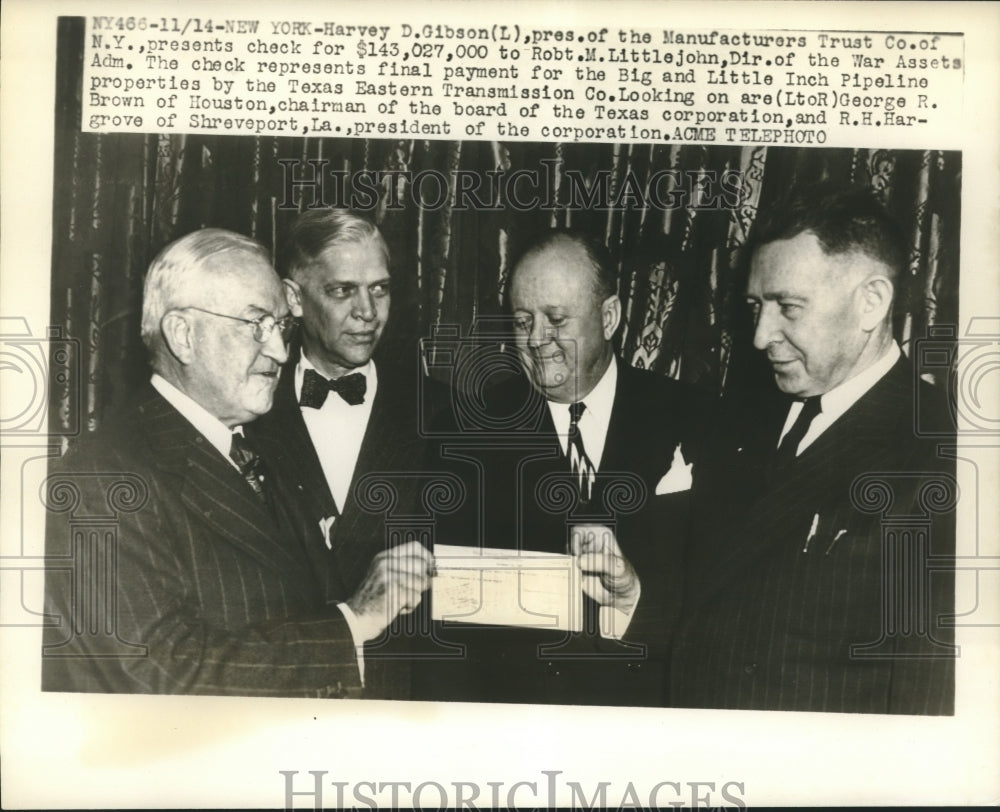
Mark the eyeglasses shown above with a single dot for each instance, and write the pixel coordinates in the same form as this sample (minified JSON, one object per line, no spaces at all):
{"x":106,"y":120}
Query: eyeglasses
{"x":263,"y":326}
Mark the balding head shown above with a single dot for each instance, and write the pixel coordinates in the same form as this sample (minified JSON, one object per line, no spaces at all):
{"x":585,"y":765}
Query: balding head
{"x":566,"y":310}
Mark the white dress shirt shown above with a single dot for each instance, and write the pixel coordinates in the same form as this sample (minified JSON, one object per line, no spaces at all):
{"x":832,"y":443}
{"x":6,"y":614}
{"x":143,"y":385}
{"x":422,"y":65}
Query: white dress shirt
{"x":841,"y":398}
{"x":593,"y":426}
{"x":595,"y":419}
{"x":337,"y":429}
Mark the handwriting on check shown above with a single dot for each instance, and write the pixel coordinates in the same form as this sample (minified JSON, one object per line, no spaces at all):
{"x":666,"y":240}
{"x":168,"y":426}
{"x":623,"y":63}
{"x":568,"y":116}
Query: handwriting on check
{"x":507,"y":588}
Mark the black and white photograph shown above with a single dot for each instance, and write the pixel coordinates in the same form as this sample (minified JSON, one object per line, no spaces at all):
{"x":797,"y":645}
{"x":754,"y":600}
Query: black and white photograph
{"x":553,"y":439}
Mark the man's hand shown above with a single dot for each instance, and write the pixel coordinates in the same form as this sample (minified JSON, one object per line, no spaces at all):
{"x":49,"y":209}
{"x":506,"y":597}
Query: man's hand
{"x":608,"y":577}
{"x":394,"y":585}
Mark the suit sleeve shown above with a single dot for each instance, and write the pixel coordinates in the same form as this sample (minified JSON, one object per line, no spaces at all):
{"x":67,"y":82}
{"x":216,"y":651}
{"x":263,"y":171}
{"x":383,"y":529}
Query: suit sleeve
{"x":153,"y":605}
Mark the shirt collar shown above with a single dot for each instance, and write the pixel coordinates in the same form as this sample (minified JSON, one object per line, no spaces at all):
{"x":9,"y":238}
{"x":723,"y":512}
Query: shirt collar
{"x":602,"y":397}
{"x":595,"y":420}
{"x":839,"y":399}
{"x":599,"y":402}
{"x":206,"y":423}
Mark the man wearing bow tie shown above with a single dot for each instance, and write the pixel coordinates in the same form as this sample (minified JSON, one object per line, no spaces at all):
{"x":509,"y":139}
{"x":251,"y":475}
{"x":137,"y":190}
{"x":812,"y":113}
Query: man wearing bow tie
{"x":341,"y":295}
{"x":178,"y":563}
{"x":820,"y":576}
{"x":340,"y":416}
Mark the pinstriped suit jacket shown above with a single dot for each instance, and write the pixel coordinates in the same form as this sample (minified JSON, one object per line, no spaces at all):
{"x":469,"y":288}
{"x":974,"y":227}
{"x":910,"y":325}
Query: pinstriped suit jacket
{"x":167,"y":575}
{"x":774,"y":619}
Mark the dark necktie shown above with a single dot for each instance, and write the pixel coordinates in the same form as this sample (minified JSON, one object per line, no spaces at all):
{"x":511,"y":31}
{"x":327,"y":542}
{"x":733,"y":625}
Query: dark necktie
{"x":580,"y":465}
{"x":251,"y":465}
{"x":315,"y":388}
{"x":790,"y":442}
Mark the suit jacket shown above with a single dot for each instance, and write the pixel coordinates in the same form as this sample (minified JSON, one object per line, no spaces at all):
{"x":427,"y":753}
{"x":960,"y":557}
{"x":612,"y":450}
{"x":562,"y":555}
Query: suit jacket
{"x":821,"y":586}
{"x":168,"y":575}
{"x":515,"y":472}
{"x":393,"y":452}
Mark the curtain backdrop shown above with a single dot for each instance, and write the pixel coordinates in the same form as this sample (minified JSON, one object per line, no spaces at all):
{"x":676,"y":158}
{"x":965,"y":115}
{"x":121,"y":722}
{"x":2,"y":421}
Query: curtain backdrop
{"x":120,"y":198}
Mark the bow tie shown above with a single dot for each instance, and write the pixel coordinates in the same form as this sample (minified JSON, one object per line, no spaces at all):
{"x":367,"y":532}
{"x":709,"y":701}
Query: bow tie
{"x":315,"y":388}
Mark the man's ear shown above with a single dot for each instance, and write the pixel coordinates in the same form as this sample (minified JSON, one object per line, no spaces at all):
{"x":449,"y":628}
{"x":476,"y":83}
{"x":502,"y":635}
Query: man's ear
{"x":876,"y":301}
{"x":611,"y":315}
{"x":178,"y":336}
{"x":293,"y":295}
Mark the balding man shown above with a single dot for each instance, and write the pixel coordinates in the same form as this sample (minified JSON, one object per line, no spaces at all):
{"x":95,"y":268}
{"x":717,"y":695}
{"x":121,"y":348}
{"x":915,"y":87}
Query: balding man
{"x":177,"y":564}
{"x":811,"y":584}
{"x":581,"y":454}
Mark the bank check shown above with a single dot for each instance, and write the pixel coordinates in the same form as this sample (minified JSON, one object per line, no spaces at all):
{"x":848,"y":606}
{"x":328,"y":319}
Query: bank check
{"x":507,"y":588}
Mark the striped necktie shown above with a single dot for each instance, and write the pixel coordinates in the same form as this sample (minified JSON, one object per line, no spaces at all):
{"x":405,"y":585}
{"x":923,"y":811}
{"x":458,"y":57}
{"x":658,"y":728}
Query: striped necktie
{"x":581,"y":468}
{"x":250,"y":464}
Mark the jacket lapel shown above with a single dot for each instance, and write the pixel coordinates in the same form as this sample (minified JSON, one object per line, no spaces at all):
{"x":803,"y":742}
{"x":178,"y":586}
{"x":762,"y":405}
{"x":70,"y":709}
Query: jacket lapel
{"x":212,"y":489}
{"x":634,"y":425}
{"x":388,"y":443}
{"x":861,"y":440}
{"x":287,"y":445}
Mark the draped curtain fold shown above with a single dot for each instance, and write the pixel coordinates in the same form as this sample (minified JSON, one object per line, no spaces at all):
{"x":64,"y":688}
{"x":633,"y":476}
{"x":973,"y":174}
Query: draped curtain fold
{"x":119,"y":198}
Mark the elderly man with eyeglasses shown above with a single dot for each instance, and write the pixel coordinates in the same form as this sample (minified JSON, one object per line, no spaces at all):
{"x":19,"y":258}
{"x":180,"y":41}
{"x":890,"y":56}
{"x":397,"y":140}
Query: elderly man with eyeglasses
{"x":176,"y":563}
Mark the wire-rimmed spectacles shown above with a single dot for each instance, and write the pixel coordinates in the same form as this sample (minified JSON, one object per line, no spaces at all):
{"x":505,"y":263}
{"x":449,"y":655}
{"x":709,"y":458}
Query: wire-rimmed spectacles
{"x":263,"y":326}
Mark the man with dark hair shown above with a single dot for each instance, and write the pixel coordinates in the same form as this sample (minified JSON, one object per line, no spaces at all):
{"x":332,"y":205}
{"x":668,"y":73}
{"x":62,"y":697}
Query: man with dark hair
{"x":581,"y":454}
{"x":178,"y":564}
{"x":841,"y":218}
{"x":340,"y":417}
{"x":803,"y":592}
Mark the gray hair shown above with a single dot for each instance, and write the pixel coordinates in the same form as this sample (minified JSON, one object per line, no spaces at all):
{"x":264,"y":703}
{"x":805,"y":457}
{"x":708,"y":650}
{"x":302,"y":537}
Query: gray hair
{"x":317,"y":230}
{"x":177,"y":270}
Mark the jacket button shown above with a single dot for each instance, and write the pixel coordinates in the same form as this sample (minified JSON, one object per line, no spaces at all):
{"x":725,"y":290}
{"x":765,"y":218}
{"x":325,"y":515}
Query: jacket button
{"x":750,"y":668}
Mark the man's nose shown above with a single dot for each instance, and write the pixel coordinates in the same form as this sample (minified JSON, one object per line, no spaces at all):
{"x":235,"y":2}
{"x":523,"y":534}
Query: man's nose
{"x":766,"y":330}
{"x":275,"y":347}
{"x":540,"y":333}
{"x":363,"y":306}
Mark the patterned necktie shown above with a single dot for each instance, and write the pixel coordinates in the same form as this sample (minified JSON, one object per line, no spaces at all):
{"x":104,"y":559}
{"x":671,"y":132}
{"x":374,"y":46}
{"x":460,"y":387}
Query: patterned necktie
{"x":580,"y":465}
{"x":790,"y":443}
{"x":315,"y":388}
{"x":251,"y":465}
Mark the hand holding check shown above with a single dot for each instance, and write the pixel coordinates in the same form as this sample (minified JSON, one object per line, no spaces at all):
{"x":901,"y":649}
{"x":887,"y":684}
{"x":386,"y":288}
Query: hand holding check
{"x":608,"y":577}
{"x":394,"y":585}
